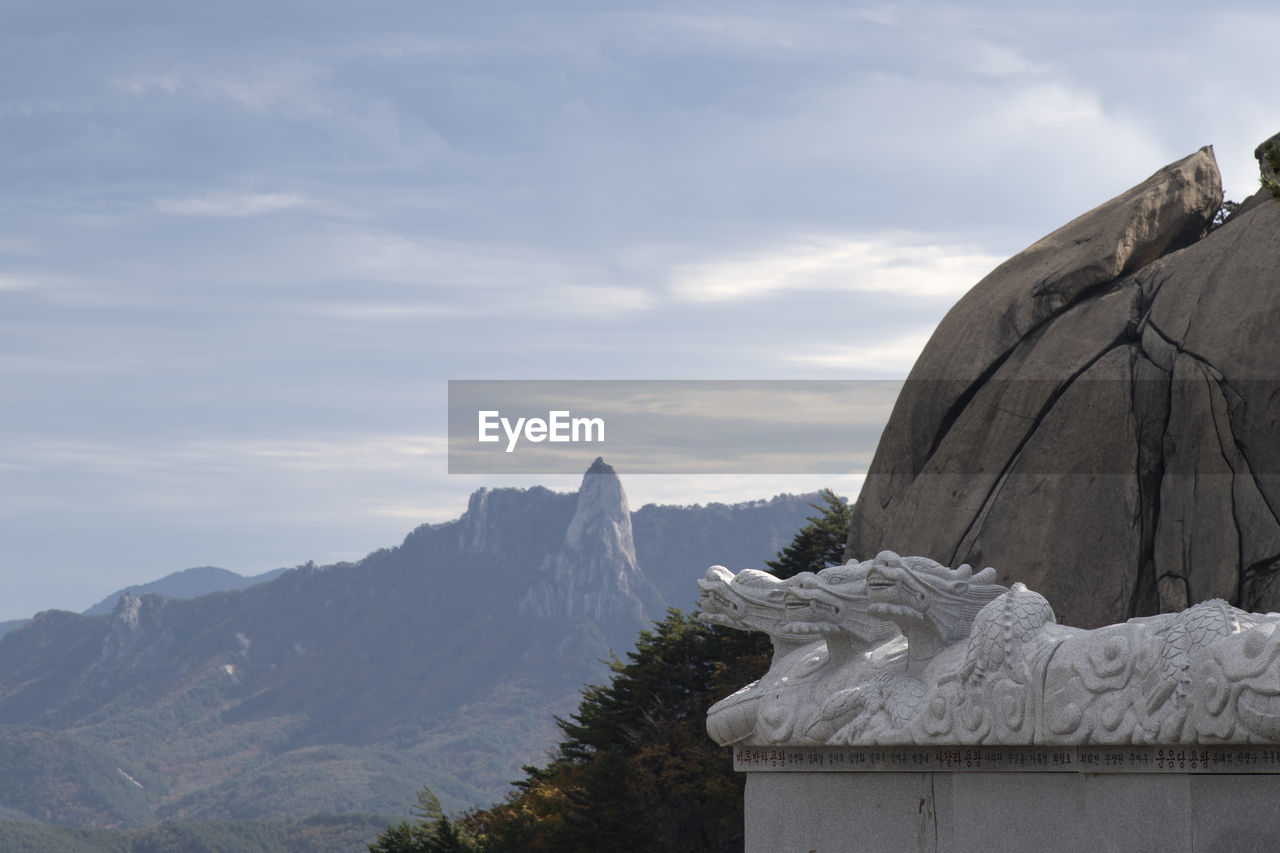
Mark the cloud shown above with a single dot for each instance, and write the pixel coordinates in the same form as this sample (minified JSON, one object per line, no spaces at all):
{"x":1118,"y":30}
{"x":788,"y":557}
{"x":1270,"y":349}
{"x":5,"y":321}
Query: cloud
{"x":948,"y":142}
{"x":237,"y":205}
{"x":592,"y":299}
{"x":893,"y":356}
{"x":999,"y":61}
{"x":399,"y":45}
{"x":289,"y":88}
{"x":518,"y":280}
{"x":905,"y":264}
{"x":394,"y":258}
{"x":147,"y":84}
{"x":29,"y":365}
{"x":711,"y":32}
{"x":12,"y":244}
{"x":355,"y":452}
{"x":15,"y":283}
{"x":885,"y":15}
{"x":56,"y":289}
{"x":557,"y":300}
{"x":414,"y":513}
{"x":205,"y":474}
{"x":376,"y":311}
{"x":644,"y":489}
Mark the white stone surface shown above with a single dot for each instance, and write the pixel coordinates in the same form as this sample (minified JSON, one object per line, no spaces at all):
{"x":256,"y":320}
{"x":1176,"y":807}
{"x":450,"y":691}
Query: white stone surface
{"x":990,"y":812}
{"x":903,"y":650}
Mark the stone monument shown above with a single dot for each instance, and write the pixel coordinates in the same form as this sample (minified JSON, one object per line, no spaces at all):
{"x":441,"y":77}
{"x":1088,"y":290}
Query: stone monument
{"x":903,"y":651}
{"x":914,"y":706}
{"x":905,"y":697}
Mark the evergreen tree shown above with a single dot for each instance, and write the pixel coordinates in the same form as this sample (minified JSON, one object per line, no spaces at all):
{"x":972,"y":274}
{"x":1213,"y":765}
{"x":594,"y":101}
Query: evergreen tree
{"x":445,"y":838}
{"x":432,"y":833}
{"x":819,"y":544}
{"x":636,"y":770}
{"x":398,"y":838}
{"x":427,"y":809}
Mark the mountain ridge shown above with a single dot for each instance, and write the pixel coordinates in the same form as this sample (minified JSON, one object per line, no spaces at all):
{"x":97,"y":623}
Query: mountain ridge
{"x":349,"y":686}
{"x":185,"y":583}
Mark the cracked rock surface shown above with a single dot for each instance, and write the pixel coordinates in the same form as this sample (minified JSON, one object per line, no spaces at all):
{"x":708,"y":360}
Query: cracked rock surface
{"x":1099,"y":417}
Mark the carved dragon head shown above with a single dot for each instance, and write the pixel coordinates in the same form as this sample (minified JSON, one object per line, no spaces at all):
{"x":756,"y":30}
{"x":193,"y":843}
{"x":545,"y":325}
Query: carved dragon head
{"x":751,"y":600}
{"x":833,"y":601}
{"x":915,"y":591}
{"x":714,"y":604}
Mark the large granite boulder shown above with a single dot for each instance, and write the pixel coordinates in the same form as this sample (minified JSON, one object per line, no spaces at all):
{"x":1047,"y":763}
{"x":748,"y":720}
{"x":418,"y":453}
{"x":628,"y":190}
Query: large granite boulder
{"x":1099,"y":416}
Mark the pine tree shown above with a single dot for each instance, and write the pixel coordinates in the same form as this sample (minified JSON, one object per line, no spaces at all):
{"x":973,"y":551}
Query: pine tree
{"x":818,"y":545}
{"x":445,"y":838}
{"x":636,"y":770}
{"x":433,"y":832}
{"x":398,"y":838}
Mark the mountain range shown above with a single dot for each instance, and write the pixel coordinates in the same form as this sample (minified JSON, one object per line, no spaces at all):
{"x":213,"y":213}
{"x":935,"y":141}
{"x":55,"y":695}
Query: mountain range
{"x":442,"y":661}
{"x":187,"y":583}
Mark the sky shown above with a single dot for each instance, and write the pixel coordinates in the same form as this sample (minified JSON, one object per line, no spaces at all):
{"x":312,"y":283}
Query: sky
{"x":245,"y":246}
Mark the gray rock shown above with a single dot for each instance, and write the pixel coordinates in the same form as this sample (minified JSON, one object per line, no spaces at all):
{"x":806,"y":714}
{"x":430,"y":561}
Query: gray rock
{"x":1098,"y":416}
{"x":1167,"y":211}
{"x":1196,"y":546}
{"x":1063,"y":494}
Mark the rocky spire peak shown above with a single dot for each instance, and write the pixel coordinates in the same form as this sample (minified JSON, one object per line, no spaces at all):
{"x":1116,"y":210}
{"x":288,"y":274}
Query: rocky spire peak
{"x":602,"y":503}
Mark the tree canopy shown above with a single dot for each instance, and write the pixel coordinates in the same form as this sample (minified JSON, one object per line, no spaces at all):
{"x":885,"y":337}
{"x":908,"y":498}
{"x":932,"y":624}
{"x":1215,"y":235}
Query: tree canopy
{"x":820,"y":543}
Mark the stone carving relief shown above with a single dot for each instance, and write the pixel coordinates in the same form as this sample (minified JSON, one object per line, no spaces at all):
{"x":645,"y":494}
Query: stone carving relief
{"x":904,"y":650}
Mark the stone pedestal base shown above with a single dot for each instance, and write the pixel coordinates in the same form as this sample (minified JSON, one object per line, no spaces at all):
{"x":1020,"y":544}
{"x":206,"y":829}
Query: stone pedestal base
{"x":941,"y":812}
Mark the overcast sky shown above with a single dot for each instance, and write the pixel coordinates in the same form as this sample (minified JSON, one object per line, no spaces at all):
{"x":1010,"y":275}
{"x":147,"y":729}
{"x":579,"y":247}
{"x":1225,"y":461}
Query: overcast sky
{"x":244,"y":245}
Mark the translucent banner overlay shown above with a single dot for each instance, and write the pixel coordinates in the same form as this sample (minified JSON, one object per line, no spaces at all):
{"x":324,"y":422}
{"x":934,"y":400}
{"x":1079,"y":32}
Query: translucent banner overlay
{"x":1143,"y":430}
{"x":667,"y":426}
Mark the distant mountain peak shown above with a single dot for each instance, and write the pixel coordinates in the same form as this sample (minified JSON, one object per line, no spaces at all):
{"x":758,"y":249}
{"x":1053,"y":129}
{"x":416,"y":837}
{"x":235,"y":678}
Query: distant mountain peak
{"x":602,"y":509}
{"x":188,"y":583}
{"x":595,"y":574}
